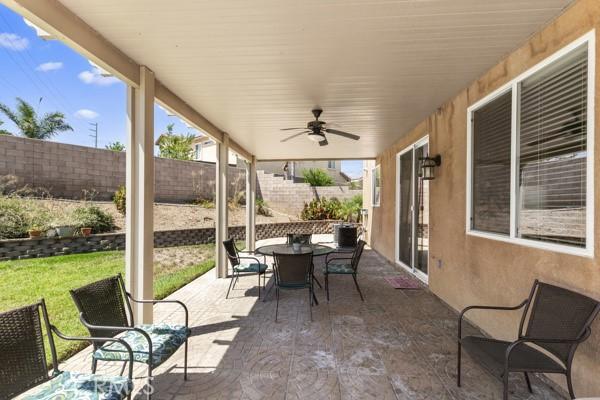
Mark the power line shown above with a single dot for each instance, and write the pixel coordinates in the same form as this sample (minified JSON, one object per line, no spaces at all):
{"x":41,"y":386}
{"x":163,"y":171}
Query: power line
{"x":94,"y":129}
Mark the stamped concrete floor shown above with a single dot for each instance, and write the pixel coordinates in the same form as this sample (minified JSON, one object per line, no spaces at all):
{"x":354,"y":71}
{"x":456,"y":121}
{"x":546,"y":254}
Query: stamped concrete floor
{"x":394,"y":345}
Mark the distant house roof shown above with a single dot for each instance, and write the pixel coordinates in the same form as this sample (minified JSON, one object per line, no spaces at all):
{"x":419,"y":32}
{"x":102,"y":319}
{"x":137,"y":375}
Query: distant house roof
{"x":345,"y":177}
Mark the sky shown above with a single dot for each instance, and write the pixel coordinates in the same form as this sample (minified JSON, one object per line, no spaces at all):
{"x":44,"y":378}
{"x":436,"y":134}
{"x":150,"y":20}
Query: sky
{"x":52,"y":77}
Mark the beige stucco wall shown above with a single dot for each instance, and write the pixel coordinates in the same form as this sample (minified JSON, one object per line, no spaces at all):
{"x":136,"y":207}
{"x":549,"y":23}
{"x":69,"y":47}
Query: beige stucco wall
{"x":482,"y":271}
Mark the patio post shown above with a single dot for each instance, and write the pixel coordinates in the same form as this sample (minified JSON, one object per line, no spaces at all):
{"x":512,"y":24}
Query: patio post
{"x":221,"y":233}
{"x":139,"y":221}
{"x":251,"y":204}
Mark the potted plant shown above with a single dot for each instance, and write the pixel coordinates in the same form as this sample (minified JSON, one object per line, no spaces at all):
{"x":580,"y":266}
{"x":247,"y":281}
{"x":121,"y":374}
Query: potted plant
{"x":296,"y":243}
{"x":86,"y":231}
{"x":65,"y":226}
{"x":35,"y":232}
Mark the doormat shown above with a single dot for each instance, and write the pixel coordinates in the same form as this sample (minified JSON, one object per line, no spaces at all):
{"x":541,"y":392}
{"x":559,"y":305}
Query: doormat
{"x":400,"y":282}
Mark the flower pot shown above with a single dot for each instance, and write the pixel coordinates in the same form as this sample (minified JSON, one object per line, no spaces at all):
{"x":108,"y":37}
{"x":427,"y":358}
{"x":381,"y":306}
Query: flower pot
{"x":86,"y":231}
{"x":51,"y":233}
{"x":65,"y":231}
{"x":296,"y":246}
{"x":34,"y":233}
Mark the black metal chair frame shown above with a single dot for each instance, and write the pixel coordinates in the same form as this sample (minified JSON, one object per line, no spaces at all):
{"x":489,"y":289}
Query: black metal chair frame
{"x":308,"y":284}
{"x":233,"y":254}
{"x":127,"y":298}
{"x":354,"y":261}
{"x":524,"y":340}
{"x":29,"y":382}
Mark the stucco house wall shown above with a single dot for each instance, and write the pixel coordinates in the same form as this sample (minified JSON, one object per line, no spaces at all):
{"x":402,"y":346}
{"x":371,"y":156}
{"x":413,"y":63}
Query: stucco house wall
{"x":465,"y":269}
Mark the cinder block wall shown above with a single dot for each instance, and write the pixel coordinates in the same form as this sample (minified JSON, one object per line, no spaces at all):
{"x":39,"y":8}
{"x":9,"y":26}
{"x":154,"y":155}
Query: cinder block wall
{"x":289,"y":197}
{"x":67,"y":170}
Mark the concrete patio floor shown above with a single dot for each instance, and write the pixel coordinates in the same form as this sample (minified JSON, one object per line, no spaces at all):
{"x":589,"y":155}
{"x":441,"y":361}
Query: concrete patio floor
{"x":395,"y":345}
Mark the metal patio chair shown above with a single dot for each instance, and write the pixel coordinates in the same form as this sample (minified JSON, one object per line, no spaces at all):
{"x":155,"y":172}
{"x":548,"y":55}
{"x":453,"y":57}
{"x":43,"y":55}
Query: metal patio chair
{"x":344,"y":266}
{"x":24,"y":367}
{"x":293,"y":272}
{"x":239,"y":265}
{"x":554,"y":320}
{"x":105,"y":308}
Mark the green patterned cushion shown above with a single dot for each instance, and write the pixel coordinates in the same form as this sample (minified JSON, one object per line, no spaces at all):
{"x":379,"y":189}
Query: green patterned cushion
{"x":166,"y":339}
{"x":76,"y":386}
{"x":339,"y":269}
{"x":253,"y":267}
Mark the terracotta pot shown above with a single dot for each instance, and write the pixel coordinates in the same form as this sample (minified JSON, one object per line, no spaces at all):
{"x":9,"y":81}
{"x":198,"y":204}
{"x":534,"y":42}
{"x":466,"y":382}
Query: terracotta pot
{"x":34,"y":233}
{"x":86,"y":231}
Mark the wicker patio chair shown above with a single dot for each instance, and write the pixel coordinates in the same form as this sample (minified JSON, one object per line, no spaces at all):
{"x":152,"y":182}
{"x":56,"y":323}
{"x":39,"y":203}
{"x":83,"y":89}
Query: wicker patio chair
{"x":239,"y":265}
{"x":302,"y":238}
{"x":337,"y":265}
{"x":24,"y":367}
{"x":105,"y":308}
{"x":554,"y":320}
{"x":293,"y":272}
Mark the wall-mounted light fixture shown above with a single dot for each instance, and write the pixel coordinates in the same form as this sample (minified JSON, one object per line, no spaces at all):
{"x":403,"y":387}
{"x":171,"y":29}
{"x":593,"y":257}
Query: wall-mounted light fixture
{"x":428,"y":165}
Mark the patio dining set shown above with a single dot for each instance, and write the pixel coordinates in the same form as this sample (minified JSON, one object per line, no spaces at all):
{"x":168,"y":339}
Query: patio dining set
{"x":554,"y":322}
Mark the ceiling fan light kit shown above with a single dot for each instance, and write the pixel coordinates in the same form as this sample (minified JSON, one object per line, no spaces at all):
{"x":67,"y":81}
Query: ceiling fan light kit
{"x":316,"y":130}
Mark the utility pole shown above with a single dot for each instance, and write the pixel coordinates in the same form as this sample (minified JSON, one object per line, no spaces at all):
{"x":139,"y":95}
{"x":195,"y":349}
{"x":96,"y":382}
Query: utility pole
{"x":94,"y":129}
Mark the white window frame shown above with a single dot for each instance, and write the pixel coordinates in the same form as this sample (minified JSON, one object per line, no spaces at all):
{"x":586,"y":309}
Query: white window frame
{"x":198,"y":151}
{"x":373,"y":183}
{"x":514,"y":86}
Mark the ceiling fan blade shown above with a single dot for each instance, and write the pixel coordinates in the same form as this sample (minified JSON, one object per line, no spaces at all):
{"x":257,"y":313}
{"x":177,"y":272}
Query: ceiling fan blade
{"x":342,"y":133}
{"x":293,"y":136}
{"x":290,"y":129}
{"x":323,"y":142}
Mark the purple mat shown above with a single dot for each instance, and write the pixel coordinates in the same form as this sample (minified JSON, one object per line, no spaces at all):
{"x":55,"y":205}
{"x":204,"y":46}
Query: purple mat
{"x":400,"y":282}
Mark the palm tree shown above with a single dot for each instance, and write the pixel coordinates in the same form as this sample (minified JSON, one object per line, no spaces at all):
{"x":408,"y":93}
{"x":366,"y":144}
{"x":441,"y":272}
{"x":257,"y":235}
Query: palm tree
{"x":3,"y":131}
{"x":32,"y":126}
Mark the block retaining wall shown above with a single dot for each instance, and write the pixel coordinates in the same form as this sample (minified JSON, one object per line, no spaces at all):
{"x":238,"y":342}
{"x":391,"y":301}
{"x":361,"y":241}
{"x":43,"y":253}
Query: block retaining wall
{"x":44,"y":247}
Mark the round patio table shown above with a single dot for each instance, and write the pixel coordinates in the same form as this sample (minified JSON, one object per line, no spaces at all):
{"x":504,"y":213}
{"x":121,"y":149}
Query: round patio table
{"x":284,"y":248}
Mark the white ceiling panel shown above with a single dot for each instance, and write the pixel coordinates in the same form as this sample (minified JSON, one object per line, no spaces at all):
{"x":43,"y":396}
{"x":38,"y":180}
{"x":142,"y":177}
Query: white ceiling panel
{"x":377,"y":68}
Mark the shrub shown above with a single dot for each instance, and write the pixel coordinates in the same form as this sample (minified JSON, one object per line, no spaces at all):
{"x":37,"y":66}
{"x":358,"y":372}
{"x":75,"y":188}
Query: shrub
{"x":322,"y":208}
{"x":317,"y":177}
{"x":350,"y":209}
{"x":120,"y":200}
{"x":206,"y":203}
{"x":93,"y":217}
{"x":115,"y":146}
{"x":262,"y":208}
{"x":17,"y":216}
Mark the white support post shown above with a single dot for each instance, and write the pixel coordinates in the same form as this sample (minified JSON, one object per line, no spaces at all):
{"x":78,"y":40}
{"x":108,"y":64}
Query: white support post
{"x":221,"y":233}
{"x":251,"y":204}
{"x":139,"y":222}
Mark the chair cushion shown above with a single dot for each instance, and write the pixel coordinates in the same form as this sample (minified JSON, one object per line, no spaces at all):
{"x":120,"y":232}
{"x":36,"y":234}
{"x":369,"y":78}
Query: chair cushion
{"x":490,"y":354}
{"x":251,"y":267}
{"x":166,"y":339}
{"x":76,"y":386}
{"x":338,"y":268}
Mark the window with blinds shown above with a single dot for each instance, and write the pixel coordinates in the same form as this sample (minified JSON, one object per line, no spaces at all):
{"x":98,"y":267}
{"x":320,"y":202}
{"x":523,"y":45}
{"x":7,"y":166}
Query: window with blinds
{"x":553,"y":152}
{"x":491,"y":166}
{"x":529,"y":171}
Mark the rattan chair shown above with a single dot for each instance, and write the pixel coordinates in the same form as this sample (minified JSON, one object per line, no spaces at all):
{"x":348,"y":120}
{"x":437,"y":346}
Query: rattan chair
{"x":24,"y":366}
{"x":554,"y":320}
{"x":105,"y":308}
{"x":293,"y":272}
{"x":239,"y":265}
{"x":337,"y":265}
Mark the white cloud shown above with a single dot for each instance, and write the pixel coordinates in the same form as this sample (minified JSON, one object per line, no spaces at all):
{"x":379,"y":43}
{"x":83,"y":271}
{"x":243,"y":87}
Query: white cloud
{"x":13,"y":41}
{"x":94,"y":77}
{"x":49,"y":66}
{"x":86,"y":114}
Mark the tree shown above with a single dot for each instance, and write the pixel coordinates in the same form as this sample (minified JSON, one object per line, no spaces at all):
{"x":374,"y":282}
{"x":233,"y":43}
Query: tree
{"x":4,"y":132}
{"x":115,"y":146}
{"x":175,"y":146}
{"x":26,"y":119}
{"x":317,"y":177}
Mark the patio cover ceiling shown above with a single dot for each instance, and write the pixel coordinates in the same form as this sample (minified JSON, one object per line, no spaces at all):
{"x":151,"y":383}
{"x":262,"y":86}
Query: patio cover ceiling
{"x":377,"y":68}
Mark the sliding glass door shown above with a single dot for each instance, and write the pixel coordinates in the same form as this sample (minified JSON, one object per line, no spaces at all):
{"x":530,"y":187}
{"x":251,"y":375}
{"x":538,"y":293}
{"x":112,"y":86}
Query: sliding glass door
{"x":412,"y":210}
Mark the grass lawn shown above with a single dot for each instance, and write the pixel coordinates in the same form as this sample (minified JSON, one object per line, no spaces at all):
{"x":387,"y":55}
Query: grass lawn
{"x":24,"y":282}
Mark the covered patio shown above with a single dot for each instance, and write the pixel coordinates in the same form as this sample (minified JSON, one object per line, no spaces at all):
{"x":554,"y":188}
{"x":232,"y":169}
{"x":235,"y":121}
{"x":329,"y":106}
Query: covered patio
{"x":397,"y":344}
{"x":243,"y":72}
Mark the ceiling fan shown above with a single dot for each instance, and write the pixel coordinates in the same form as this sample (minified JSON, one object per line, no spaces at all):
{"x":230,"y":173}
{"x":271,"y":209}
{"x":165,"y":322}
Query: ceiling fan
{"x":316,"y":130}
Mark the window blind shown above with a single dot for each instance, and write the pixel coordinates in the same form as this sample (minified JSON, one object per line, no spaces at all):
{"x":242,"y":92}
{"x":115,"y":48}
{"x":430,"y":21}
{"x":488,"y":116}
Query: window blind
{"x":553,"y":152}
{"x":491,"y":166}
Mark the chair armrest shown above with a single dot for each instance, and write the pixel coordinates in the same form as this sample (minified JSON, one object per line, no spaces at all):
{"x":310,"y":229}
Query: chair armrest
{"x":250,"y":258}
{"x":496,"y":308}
{"x":185,"y":309}
{"x":98,"y":339}
{"x":327,"y":259}
{"x":123,"y":328}
{"x":534,"y":340}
